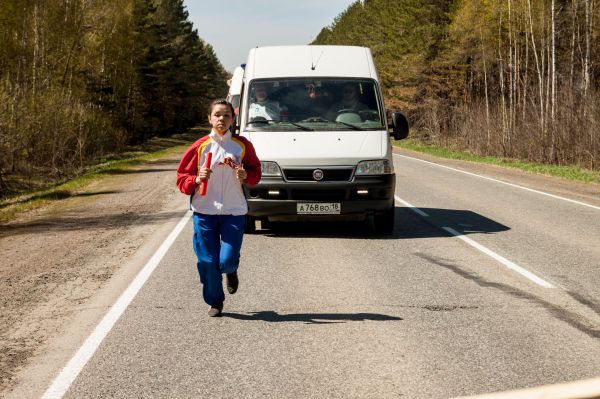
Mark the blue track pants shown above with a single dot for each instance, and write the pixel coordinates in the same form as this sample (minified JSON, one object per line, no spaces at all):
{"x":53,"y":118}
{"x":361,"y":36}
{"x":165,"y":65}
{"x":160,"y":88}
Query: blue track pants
{"x":217,"y":243}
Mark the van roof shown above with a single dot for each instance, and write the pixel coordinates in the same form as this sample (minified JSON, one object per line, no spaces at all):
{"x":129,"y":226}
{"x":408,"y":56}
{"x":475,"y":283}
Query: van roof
{"x":310,"y":61}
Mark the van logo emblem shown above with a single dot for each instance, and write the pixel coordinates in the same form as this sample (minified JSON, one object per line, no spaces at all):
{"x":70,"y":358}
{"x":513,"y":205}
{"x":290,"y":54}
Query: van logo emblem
{"x":318,"y":174}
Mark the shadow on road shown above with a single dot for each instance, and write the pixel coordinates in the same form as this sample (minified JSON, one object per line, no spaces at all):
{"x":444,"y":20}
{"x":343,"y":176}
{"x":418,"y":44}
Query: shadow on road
{"x":79,"y":221}
{"x":310,"y":318}
{"x":58,"y":195}
{"x":566,"y":315}
{"x":408,"y":225}
{"x":170,"y":165}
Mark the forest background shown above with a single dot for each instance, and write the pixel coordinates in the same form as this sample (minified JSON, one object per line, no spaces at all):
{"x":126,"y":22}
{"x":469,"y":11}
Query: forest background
{"x":80,"y":79}
{"x":509,"y":78}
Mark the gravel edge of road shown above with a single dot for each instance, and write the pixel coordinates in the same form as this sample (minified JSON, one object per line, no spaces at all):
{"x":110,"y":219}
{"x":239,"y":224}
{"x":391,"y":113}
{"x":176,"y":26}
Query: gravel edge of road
{"x":66,"y":262}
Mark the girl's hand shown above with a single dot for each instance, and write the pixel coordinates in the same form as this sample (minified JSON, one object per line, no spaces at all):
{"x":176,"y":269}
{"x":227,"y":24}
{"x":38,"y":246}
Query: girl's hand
{"x":241,"y":173}
{"x":203,"y":174}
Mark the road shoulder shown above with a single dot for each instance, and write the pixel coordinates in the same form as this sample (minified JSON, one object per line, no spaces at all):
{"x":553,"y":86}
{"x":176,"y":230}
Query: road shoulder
{"x":65,"y":264}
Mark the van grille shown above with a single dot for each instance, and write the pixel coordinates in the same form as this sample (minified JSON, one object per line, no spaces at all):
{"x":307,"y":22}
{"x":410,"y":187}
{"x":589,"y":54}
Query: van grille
{"x":333,"y":174}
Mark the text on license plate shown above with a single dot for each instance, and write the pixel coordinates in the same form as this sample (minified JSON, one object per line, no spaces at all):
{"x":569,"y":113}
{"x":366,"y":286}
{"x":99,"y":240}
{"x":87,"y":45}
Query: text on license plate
{"x":320,"y":208}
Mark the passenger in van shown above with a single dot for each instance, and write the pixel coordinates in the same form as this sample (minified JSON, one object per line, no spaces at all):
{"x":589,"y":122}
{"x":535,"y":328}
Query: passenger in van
{"x":263,"y":107}
{"x":348,"y":102}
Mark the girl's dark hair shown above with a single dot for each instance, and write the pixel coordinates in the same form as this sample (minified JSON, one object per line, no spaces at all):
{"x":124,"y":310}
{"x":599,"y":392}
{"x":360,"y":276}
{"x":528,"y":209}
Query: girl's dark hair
{"x":220,"y":102}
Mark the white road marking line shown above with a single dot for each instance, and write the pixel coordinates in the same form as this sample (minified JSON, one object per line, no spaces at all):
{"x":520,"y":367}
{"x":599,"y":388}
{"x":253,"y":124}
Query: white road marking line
{"x":68,"y":374}
{"x":522,"y":271}
{"x":569,"y":390}
{"x":503,"y":182}
{"x":511,"y":265}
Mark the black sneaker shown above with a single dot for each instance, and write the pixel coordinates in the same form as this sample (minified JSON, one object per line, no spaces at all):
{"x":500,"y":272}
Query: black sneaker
{"x":215,"y":310}
{"x":232,"y":282}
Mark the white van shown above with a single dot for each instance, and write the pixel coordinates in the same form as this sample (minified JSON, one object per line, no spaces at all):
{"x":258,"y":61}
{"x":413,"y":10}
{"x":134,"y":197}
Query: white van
{"x":316,"y":118}
{"x":236,"y":83}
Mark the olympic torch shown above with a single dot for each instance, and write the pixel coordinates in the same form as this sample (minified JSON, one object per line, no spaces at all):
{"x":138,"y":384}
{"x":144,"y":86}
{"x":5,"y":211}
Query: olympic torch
{"x":204,"y":182}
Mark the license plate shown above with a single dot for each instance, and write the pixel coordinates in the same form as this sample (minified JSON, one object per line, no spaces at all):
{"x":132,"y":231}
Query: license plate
{"x":319,"y":208}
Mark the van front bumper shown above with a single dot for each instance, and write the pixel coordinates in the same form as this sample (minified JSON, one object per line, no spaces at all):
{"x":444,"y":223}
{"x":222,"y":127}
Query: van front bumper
{"x":364,"y":195}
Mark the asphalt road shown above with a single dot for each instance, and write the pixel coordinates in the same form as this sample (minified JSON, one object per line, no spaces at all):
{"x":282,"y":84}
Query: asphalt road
{"x":327,"y":310}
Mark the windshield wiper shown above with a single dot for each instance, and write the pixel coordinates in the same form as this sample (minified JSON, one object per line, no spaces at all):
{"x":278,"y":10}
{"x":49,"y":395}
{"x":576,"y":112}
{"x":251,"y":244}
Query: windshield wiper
{"x":261,"y":120}
{"x":351,"y":125}
{"x":301,"y":126}
{"x":269,"y":121}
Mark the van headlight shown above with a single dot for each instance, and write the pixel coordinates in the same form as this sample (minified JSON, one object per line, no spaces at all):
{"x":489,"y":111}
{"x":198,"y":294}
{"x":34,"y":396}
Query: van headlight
{"x":379,"y":167}
{"x":270,"y":168}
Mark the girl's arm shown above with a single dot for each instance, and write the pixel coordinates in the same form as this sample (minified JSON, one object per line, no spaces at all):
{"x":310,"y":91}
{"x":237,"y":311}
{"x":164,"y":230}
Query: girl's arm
{"x":188,"y":171}
{"x":251,"y":165}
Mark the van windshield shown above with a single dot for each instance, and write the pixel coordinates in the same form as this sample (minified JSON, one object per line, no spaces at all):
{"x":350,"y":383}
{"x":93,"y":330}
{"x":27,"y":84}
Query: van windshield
{"x":314,"y":104}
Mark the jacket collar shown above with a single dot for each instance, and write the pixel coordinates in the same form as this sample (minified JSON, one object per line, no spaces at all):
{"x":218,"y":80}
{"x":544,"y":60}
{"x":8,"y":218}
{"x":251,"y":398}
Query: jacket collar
{"x":217,"y":137}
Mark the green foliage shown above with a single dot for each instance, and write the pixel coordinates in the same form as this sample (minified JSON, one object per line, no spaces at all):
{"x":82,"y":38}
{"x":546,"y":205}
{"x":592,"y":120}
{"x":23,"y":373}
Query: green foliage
{"x":404,"y":37}
{"x":79,"y":79}
{"x":176,"y":72}
{"x":514,"y":78}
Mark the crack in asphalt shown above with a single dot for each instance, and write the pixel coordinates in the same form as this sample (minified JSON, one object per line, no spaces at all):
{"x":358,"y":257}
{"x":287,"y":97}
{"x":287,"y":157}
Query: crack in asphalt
{"x":573,"y":319}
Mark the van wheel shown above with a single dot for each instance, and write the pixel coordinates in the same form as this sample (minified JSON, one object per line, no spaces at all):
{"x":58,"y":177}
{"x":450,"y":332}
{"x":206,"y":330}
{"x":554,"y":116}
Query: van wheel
{"x":250,"y":225}
{"x":384,"y":223}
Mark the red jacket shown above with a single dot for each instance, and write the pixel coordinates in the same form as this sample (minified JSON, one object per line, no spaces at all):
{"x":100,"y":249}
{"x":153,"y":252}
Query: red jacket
{"x":224,"y":194}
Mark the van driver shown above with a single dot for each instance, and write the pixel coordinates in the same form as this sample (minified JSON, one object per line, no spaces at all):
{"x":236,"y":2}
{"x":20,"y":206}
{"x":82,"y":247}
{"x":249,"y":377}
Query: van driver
{"x":348,"y":102}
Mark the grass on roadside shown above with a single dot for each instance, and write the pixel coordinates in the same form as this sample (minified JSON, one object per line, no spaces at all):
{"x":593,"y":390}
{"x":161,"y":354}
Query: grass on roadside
{"x":566,"y":172}
{"x":109,"y":166}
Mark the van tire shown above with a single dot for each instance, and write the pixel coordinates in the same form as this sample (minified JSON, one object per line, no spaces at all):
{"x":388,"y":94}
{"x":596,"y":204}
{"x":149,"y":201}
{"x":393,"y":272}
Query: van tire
{"x":384,"y":223}
{"x":250,"y":225}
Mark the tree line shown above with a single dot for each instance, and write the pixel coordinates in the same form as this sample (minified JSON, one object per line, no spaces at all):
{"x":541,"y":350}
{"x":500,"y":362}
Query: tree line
{"x":83,"y":78}
{"x":512,"y":78}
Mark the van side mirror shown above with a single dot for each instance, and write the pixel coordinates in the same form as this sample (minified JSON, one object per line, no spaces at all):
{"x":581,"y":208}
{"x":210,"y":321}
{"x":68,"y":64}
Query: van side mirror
{"x":399,"y":129}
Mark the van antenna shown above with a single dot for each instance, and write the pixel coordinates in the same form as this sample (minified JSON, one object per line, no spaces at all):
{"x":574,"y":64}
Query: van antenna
{"x":314,"y":65}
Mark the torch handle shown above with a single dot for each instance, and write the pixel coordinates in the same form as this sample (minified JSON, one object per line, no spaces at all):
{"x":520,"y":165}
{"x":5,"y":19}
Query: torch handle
{"x":204,"y":182}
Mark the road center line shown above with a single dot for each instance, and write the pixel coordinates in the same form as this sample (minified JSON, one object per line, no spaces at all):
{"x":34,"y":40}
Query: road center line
{"x":511,"y":265}
{"x":63,"y":381}
{"x":503,"y":182}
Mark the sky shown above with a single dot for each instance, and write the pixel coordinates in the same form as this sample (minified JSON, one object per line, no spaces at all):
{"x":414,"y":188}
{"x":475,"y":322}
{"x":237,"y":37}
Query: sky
{"x":233,"y":27}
